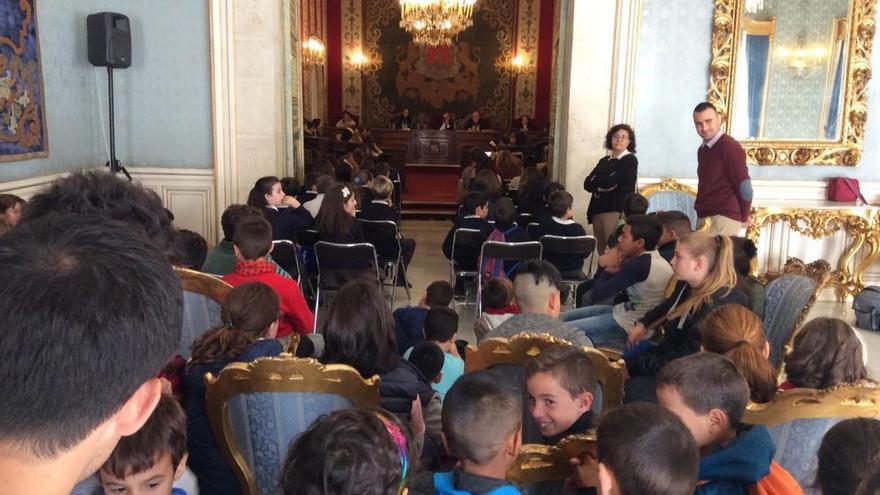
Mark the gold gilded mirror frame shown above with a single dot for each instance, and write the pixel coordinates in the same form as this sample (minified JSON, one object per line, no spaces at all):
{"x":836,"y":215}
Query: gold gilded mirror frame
{"x":847,"y":150}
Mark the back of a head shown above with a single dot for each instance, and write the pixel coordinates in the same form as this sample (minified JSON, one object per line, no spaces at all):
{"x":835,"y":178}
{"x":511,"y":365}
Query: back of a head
{"x":744,"y":251}
{"x":645,"y":227}
{"x":474,"y":200}
{"x":191,"y":249}
{"x":164,"y":433}
{"x":571,"y":367}
{"x":848,"y":454}
{"x":707,"y":381}
{"x":332,"y":219}
{"x":480,"y":412}
{"x":560,"y":202}
{"x":675,"y":221}
{"x":533,"y":188}
{"x":505,"y":213}
{"x":349,"y":452}
{"x":310,"y":180}
{"x":382,"y":187}
{"x":536,"y":281}
{"x":253,"y":238}
{"x":109,"y":312}
{"x":826,"y":352}
{"x":234,"y":214}
{"x":428,"y":358}
{"x":290,"y":186}
{"x":497,"y":293}
{"x":441,"y":324}
{"x":359,"y":330}
{"x":648,"y":450}
{"x":439,"y":293}
{"x":634,"y":204}
{"x":551,"y":189}
{"x":487,"y":181}
{"x":323,"y":183}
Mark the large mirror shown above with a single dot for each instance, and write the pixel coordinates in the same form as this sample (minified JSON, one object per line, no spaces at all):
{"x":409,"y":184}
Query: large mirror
{"x":789,"y":77}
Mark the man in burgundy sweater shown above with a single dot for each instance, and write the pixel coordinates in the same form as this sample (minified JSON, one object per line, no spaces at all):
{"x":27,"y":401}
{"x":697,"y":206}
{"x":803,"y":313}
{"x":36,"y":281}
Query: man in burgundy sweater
{"x":724,"y":191}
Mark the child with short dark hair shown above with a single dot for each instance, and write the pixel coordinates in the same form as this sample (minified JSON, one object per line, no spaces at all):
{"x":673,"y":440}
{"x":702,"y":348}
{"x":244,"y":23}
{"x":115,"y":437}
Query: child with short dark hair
{"x":155,"y":456}
{"x":221,"y":259}
{"x":506,"y":230}
{"x":675,"y":226}
{"x":191,"y":249}
{"x":561,"y":383}
{"x":474,"y":210}
{"x":441,"y":327}
{"x":498,"y":305}
{"x":561,"y":224}
{"x":252,"y":242}
{"x":709,"y":395}
{"x":349,"y":452}
{"x":428,"y":358}
{"x":409,"y":321}
{"x":633,"y":204}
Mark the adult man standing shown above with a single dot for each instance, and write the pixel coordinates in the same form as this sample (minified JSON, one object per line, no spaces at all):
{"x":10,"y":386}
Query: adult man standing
{"x":724,"y":191}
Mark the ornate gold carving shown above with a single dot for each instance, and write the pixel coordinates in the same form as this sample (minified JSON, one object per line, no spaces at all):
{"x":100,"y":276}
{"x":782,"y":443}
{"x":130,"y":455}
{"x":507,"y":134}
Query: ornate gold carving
{"x":537,"y":463}
{"x":281,"y":374}
{"x":847,"y":401}
{"x":204,"y":284}
{"x":848,"y":149}
{"x":667,"y":184}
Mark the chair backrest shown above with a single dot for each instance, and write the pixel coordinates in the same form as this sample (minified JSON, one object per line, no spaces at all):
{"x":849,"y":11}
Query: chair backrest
{"x":384,"y":236}
{"x":671,"y":195}
{"x":468,"y":240}
{"x":307,"y":237}
{"x":204,"y":284}
{"x":538,"y":463}
{"x":341,"y":258}
{"x":511,"y":251}
{"x":534,"y":229}
{"x":524,"y":219}
{"x":798,"y":420}
{"x":256,"y":409}
{"x":555,"y":244}
{"x":203,"y":295}
{"x":284,"y":253}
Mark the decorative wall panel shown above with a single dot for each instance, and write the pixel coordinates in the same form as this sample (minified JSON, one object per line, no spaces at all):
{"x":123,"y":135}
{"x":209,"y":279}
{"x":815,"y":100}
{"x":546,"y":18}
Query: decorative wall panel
{"x":352,"y":42}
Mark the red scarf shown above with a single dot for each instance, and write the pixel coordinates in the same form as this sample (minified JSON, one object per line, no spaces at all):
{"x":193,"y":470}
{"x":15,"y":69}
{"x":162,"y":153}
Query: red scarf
{"x":250,"y":268}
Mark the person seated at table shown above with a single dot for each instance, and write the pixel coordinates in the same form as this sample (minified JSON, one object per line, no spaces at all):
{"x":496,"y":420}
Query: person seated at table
{"x":448,"y":123}
{"x":347,"y":121}
{"x":475,"y":123}
{"x":526,"y":124}
{"x":403,"y":121}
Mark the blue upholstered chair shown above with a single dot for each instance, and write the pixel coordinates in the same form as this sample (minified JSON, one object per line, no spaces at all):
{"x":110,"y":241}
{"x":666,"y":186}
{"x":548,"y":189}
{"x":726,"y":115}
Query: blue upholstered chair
{"x":202,"y":296}
{"x":257,"y":409}
{"x":798,"y":420}
{"x":671,"y":195}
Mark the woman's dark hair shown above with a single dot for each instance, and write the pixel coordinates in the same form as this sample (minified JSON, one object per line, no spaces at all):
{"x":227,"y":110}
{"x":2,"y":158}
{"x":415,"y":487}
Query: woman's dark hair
{"x":348,"y":452}
{"x":551,"y":188}
{"x":533,"y":188}
{"x":263,"y":186}
{"x":9,"y":200}
{"x":249,"y":309}
{"x":848,"y":454}
{"x":744,"y":251}
{"x":629,"y":130}
{"x":826,"y":352}
{"x":333,"y":220}
{"x":359,"y":330}
{"x":487,"y":181}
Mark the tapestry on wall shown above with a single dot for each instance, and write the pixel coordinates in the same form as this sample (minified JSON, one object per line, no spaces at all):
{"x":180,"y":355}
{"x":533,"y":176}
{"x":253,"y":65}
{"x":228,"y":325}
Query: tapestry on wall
{"x":459,"y":78}
{"x":22,"y":109}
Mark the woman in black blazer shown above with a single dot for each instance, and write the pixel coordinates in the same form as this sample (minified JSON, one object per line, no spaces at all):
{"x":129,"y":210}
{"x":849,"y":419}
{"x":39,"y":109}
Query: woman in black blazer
{"x":613,"y":178}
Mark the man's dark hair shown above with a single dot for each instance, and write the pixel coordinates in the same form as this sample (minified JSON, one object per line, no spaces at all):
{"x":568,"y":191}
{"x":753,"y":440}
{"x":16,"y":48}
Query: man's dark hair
{"x":234,"y":214}
{"x":505,"y":213}
{"x":646,"y":228}
{"x":253,"y":237}
{"x":634,"y":204}
{"x":629,"y":130}
{"x":707,"y":381}
{"x":474,"y":200}
{"x":290,"y":186}
{"x":428,"y":358}
{"x":164,"y":433}
{"x":91,"y":310}
{"x":541,"y":270}
{"x":703,"y":106}
{"x":441,"y":324}
{"x":110,"y":196}
{"x":649,"y":450}
{"x":560,"y":202}
{"x":497,"y":293}
{"x":192,"y":249}
{"x":439,"y":293}
{"x":675,"y":221}
{"x":479,"y":413}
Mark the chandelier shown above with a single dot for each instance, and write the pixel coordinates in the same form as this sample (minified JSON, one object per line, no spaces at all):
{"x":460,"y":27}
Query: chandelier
{"x":436,"y":22}
{"x":754,"y":6}
{"x":313,"y":51}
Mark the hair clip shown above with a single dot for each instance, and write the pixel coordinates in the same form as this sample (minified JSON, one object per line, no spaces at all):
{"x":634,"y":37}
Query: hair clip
{"x":400,"y":440}
{"x":345,"y":192}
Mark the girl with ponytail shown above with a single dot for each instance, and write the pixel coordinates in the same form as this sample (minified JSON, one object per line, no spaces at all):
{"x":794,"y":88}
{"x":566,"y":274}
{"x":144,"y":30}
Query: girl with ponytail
{"x":285,"y":213}
{"x":703,"y":265}
{"x":735,"y":331}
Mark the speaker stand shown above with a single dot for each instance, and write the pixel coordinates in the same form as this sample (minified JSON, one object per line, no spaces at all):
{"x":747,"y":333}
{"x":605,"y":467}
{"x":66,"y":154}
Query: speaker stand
{"x":115,"y":166}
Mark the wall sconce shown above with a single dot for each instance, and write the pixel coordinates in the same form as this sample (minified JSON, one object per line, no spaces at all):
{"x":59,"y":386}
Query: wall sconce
{"x":518,"y":65}
{"x":802,"y":61}
{"x":360,"y":62}
{"x":314,"y":51}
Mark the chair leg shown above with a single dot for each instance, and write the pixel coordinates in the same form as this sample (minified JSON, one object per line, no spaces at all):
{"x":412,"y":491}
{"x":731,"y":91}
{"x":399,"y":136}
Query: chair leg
{"x":402,"y":269}
{"x":394,"y":281}
{"x":317,"y":303}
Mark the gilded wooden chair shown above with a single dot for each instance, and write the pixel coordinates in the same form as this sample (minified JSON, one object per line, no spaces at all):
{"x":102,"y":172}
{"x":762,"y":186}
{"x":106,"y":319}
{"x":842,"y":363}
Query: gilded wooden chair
{"x":256,"y":409}
{"x":203,"y":295}
{"x":541,"y":463}
{"x":798,"y":420}
{"x":671,"y":195}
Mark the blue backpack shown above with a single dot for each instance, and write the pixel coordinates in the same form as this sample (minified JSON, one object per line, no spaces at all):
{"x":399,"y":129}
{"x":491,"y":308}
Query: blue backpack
{"x":443,"y":486}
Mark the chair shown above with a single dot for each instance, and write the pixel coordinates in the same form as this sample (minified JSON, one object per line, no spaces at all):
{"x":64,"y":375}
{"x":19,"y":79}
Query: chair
{"x":203,"y":295}
{"x":524,"y":219}
{"x":559,"y":245}
{"x":469,"y":239}
{"x":671,"y":195}
{"x":505,"y":251}
{"x":284,"y":253}
{"x":788,"y":299}
{"x":256,"y":409}
{"x":534,"y":229}
{"x":798,"y":420}
{"x":337,"y":262}
{"x":385,"y":237}
{"x":537,"y":463}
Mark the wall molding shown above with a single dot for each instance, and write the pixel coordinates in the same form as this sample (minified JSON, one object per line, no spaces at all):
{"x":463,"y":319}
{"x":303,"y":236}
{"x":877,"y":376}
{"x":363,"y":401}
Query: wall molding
{"x":777,"y":191}
{"x":224,"y":124}
{"x":625,"y":62}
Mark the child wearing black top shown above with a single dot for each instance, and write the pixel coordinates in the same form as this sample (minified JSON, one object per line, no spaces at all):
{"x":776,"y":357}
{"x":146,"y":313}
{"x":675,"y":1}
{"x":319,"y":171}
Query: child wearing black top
{"x":561,"y":224}
{"x":475,"y":210}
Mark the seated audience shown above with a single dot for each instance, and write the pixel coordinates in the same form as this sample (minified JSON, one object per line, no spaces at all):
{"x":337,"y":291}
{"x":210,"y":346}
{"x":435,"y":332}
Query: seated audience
{"x":285,"y":213}
{"x":537,"y":286}
{"x":291,"y":187}
{"x":482,"y":421}
{"x":531,"y":195}
{"x":308,"y":188}
{"x":848,"y":457}
{"x":336,"y":219}
{"x":88,"y":377}
{"x":475,"y":210}
{"x":220,"y":260}
{"x":253,"y":241}
{"x":826,"y":352}
{"x":508,"y":165}
{"x":427,"y":357}
{"x":744,"y":254}
{"x":506,"y":230}
{"x":643,"y":449}
{"x":409,"y":321}
{"x":380,"y":208}
{"x":10,"y":211}
{"x":561,"y":224}
{"x":364,"y":185}
{"x":441,"y":327}
{"x":154,"y":457}
{"x":675,"y":226}
{"x":643,"y":275}
{"x":497,"y":305}
{"x":561,"y":383}
{"x":249,"y":327}
{"x":703,"y":266}
{"x":708,"y":394}
{"x":732,"y":330}
{"x":347,"y":121}
{"x":322,"y":184}
{"x":192,"y":249}
{"x":350,"y":452}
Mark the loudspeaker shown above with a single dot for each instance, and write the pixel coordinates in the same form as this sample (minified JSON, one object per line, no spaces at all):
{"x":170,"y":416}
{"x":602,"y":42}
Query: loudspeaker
{"x":109,"y":40}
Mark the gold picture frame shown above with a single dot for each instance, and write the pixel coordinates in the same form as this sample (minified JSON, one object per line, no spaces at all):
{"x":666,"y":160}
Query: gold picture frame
{"x":847,"y":150}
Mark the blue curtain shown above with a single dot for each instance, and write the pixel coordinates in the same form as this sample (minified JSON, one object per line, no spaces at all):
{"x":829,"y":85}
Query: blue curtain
{"x":757,"y":48}
{"x":834,"y":103}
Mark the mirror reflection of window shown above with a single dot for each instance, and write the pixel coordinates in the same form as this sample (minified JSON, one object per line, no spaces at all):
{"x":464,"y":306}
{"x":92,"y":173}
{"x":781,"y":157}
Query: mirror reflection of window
{"x":834,"y":83}
{"x":752,"y":75}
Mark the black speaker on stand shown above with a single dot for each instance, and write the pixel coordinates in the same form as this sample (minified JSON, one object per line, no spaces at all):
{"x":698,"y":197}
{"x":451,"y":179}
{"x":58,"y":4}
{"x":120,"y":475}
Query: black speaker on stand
{"x":109,"y":43}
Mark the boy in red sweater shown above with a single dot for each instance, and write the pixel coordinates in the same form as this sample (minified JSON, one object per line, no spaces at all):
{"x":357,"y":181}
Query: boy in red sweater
{"x":252,"y":242}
